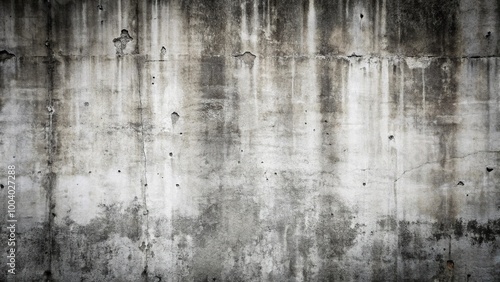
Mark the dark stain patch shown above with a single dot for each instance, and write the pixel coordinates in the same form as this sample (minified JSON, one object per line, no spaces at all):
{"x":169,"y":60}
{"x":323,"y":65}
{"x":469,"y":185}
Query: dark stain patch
{"x":483,"y":233}
{"x":388,"y":223}
{"x":445,"y":229}
{"x":212,"y":77}
{"x":225,"y":226}
{"x":423,"y":26}
{"x":121,"y":42}
{"x":112,"y":220}
{"x":5,"y":55}
{"x":411,"y":244}
{"x":247,"y":57}
{"x":334,"y":235}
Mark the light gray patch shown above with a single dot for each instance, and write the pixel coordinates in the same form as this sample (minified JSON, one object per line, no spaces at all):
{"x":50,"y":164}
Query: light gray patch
{"x":175,"y":117}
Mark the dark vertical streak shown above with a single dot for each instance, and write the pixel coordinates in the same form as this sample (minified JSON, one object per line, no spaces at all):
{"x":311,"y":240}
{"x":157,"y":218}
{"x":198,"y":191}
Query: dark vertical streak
{"x":139,"y":66}
{"x":51,"y":142}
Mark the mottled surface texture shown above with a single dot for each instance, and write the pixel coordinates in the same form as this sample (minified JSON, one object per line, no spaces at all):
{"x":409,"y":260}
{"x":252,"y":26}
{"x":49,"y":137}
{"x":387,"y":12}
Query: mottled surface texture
{"x":252,"y":140}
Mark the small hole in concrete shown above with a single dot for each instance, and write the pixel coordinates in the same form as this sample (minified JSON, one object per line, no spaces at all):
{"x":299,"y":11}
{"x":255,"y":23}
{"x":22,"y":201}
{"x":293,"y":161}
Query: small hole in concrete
{"x":99,"y":7}
{"x":450,"y":264}
{"x":86,"y":104}
{"x":467,"y":195}
{"x":364,"y":183}
{"x":326,"y":121}
{"x":391,"y":137}
{"x":146,"y":185}
{"x":488,"y":34}
{"x":275,"y":173}
{"x":53,"y":214}
{"x":170,"y":154}
{"x":469,"y":275}
{"x":90,"y":171}
{"x":177,"y":185}
{"x":1,"y":186}
{"x":489,"y":169}
{"x":119,"y":171}
{"x":460,"y":183}
{"x":361,"y":15}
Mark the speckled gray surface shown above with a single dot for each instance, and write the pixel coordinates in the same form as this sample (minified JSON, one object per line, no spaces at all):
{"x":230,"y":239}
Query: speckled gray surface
{"x":265,"y":140}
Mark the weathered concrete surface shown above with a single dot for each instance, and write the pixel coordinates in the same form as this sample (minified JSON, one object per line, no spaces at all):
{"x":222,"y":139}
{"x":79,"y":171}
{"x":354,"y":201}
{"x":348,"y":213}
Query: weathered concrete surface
{"x":262,"y":140}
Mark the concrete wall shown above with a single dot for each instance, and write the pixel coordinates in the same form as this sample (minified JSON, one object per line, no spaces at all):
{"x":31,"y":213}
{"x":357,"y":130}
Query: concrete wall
{"x":355,"y":141}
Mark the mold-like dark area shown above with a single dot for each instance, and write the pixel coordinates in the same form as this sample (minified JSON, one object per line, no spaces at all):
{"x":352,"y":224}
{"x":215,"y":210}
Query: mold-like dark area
{"x":429,"y":27}
{"x":113,"y":219}
{"x":5,"y":55}
{"x":388,"y":223}
{"x":411,"y":243}
{"x":247,"y":57}
{"x":33,"y":251}
{"x":121,"y":42}
{"x":443,"y":230}
{"x":224,"y":225}
{"x":483,"y":233}
{"x":87,"y":250}
{"x":334,"y":235}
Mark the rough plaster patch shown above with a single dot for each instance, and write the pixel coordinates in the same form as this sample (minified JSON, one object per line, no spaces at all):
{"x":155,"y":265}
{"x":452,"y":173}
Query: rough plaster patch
{"x":121,"y":42}
{"x":418,"y":63}
{"x":247,"y":57}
